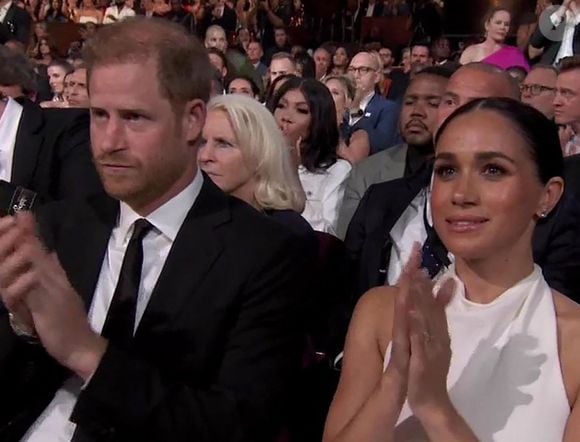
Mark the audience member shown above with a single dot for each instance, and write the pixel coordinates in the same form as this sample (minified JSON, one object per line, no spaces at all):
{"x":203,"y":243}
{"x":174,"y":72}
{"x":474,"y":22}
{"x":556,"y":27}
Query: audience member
{"x":370,"y":111}
{"x":245,"y":154}
{"x":89,"y":13}
{"x":493,"y":50}
{"x":195,"y":355}
{"x":282,"y":64}
{"x":57,"y":71}
{"x":323,"y":62}
{"x":417,"y":123}
{"x":421,"y":54}
{"x":304,"y":110}
{"x":119,"y":10}
{"x":553,"y":50}
{"x":75,"y":89}
{"x":343,"y":91}
{"x":539,"y":89}
{"x":305,"y":65}
{"x":15,"y":22}
{"x":387,"y":60}
{"x":340,"y":61}
{"x":52,"y":12}
{"x":183,"y":17}
{"x":218,"y":13}
{"x":215,"y":37}
{"x":567,"y":102}
{"x":219,"y":62}
{"x":245,"y":86}
{"x":17,"y":77}
{"x":255,"y":54}
{"x":498,"y":170}
{"x":441,"y":51}
{"x":281,"y":41}
{"x":46,"y":152}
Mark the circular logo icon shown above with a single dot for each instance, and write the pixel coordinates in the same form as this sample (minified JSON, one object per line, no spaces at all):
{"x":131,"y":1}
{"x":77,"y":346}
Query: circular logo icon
{"x":547,"y":28}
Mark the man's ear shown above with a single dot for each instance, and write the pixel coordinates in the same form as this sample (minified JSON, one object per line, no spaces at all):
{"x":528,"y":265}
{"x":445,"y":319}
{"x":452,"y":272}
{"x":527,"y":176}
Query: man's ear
{"x":193,"y":118}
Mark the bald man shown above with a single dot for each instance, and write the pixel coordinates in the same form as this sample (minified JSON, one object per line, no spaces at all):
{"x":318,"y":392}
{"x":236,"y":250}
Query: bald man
{"x":370,"y":111}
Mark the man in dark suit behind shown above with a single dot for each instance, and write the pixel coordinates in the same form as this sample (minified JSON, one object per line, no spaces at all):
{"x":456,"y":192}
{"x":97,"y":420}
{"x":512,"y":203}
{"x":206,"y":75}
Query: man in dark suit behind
{"x":15,"y":22}
{"x":187,"y":331}
{"x":45,"y":152}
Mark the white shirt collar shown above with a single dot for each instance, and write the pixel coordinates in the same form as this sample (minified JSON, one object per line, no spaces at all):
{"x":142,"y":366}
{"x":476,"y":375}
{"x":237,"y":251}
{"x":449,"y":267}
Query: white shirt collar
{"x":9,"y":123}
{"x":4,"y":10}
{"x":168,"y":218}
{"x":366,"y":100}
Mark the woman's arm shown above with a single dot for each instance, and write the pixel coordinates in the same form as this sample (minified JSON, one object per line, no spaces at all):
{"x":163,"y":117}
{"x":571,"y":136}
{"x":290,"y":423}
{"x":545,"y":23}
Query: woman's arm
{"x":467,"y":55}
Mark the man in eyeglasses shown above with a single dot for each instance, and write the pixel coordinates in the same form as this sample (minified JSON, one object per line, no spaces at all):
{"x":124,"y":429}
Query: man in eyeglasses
{"x":539,"y":89}
{"x":369,"y":110}
{"x":567,"y":102}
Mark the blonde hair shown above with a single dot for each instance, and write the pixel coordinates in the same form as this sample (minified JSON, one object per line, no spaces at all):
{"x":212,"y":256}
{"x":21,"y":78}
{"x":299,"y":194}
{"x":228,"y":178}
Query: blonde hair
{"x":265,"y":151}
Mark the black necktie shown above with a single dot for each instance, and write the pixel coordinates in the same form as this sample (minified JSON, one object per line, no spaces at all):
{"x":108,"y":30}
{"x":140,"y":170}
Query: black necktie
{"x":433,"y":254}
{"x":120,"y":321}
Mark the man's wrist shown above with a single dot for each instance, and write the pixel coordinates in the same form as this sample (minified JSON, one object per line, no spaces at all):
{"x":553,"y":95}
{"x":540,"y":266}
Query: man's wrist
{"x":85,"y":361}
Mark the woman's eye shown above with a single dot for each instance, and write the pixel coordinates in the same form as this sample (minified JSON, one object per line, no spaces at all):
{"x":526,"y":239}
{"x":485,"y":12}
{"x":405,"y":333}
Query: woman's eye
{"x":445,"y":171}
{"x":494,"y":170}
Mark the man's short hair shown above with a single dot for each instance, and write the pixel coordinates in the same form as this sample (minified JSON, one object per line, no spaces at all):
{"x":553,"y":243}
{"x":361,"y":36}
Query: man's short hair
{"x":282,"y":56}
{"x":16,"y":70}
{"x":183,"y":67}
{"x":438,"y":71}
{"x":422,"y":43}
{"x":547,"y":67}
{"x":213,"y":28}
{"x":569,"y":64}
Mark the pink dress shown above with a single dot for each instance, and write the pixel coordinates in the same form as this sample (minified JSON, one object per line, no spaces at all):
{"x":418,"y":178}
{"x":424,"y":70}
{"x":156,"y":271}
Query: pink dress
{"x":507,"y":57}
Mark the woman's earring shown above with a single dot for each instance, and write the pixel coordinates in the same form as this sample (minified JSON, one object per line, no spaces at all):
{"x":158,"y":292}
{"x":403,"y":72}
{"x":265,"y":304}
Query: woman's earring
{"x":543,"y":213}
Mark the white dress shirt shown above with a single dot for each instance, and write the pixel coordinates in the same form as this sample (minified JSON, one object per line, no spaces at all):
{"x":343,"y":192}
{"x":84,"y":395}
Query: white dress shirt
{"x":53,"y":424}
{"x":324,"y":194}
{"x":9,"y":123}
{"x":567,"y":45}
{"x":4,"y":10}
{"x":408,"y":230}
{"x":117,"y":14}
{"x":352,"y":120}
{"x":370,"y":10}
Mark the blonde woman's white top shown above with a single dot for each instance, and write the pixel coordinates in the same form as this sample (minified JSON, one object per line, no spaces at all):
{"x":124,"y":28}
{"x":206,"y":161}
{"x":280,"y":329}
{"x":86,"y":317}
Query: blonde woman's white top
{"x":505,"y":377}
{"x":324,"y":194}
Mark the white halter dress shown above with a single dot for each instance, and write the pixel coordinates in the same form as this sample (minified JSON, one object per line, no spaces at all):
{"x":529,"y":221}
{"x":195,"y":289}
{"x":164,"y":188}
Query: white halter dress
{"x":505,"y":377}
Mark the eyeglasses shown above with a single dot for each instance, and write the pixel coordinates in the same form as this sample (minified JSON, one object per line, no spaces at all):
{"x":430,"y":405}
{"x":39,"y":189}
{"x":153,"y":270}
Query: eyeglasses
{"x":363,"y":70}
{"x":535,"y":89}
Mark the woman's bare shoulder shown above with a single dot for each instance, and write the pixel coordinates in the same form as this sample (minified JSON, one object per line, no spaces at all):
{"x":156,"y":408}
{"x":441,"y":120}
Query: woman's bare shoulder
{"x":375,"y":312}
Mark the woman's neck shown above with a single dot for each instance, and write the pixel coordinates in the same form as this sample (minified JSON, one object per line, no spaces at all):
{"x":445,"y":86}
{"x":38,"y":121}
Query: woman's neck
{"x":486,"y":279}
{"x":490,"y":43}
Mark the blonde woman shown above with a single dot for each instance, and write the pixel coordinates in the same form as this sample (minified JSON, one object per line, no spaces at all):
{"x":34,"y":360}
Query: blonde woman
{"x":245,"y":154}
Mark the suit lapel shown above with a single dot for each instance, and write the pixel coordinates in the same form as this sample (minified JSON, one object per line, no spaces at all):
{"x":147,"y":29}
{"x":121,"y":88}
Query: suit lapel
{"x":396,"y":163}
{"x":29,"y":139}
{"x":195,"y":249}
{"x":84,"y":249}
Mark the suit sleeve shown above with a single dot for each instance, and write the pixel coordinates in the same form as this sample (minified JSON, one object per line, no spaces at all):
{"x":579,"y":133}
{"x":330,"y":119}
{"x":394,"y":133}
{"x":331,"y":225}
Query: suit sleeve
{"x":353,"y":193}
{"x":384,"y":133}
{"x":23,"y":28}
{"x":559,"y":252}
{"x":538,"y":40}
{"x":75,"y":175}
{"x":134,"y":399}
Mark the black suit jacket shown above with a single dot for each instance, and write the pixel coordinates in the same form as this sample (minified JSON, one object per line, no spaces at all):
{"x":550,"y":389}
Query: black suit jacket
{"x":16,"y":25}
{"x":52,"y":155}
{"x":215,"y":351}
{"x":551,"y":48}
{"x":556,"y":242}
{"x":227,"y":20}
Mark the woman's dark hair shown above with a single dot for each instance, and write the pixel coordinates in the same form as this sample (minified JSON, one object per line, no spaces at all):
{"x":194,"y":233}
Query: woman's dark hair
{"x":307,"y":64}
{"x":540,"y":134}
{"x":319,"y":149}
{"x":271,"y":88}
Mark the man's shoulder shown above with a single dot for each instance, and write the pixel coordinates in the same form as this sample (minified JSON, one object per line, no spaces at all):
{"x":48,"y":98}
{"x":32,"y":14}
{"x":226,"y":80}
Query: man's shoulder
{"x":386,"y":164}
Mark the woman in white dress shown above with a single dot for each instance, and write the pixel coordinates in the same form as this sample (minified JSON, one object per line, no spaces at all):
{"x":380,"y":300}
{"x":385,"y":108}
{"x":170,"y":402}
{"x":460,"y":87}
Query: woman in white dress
{"x":491,"y":352}
{"x":304,"y":110}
